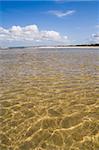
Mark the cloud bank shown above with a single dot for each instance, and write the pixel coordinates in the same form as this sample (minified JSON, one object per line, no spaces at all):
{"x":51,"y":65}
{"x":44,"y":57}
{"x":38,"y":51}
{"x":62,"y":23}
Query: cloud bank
{"x":30,"y":33}
{"x":61,"y":14}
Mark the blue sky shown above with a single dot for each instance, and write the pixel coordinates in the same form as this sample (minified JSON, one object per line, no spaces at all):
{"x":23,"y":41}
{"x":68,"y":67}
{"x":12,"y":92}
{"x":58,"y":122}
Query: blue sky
{"x":48,"y":22}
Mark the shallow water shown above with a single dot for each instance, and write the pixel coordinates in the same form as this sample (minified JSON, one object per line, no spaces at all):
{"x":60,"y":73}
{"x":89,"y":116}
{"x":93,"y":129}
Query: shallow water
{"x":49,"y":99}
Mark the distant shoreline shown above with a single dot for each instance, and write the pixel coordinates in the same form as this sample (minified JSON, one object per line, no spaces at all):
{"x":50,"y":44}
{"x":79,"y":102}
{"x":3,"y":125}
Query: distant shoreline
{"x":49,"y":47}
{"x":69,"y":47}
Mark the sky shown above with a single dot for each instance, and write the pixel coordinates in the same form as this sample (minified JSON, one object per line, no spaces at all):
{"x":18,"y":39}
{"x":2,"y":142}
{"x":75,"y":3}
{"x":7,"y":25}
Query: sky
{"x":37,"y":22}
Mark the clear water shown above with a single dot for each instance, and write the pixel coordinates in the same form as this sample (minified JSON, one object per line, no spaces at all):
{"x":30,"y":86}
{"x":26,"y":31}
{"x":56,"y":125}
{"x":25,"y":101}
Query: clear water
{"x":49,"y":99}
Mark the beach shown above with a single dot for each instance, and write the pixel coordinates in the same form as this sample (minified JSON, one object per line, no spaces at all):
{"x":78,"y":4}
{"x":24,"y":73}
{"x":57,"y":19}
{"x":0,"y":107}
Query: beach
{"x":49,"y":99}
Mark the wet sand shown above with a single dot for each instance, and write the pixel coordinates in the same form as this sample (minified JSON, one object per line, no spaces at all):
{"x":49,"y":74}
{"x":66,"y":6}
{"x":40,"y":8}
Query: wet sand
{"x":49,"y":99}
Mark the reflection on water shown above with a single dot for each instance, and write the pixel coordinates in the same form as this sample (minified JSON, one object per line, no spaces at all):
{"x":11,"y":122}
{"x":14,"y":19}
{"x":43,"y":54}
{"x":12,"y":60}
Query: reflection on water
{"x":49,"y":99}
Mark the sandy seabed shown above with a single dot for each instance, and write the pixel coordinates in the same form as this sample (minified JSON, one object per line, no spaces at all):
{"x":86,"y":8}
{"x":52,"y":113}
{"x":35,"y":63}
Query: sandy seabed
{"x":49,"y":99}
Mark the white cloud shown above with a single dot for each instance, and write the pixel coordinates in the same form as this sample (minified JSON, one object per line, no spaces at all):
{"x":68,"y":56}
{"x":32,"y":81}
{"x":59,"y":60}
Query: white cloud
{"x":61,"y":13}
{"x":66,"y":37}
{"x":95,"y":37}
{"x":29,"y":33}
{"x":50,"y":35}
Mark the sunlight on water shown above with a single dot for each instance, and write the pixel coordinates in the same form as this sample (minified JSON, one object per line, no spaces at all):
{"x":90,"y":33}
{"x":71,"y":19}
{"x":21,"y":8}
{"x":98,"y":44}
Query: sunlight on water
{"x":49,"y":99}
